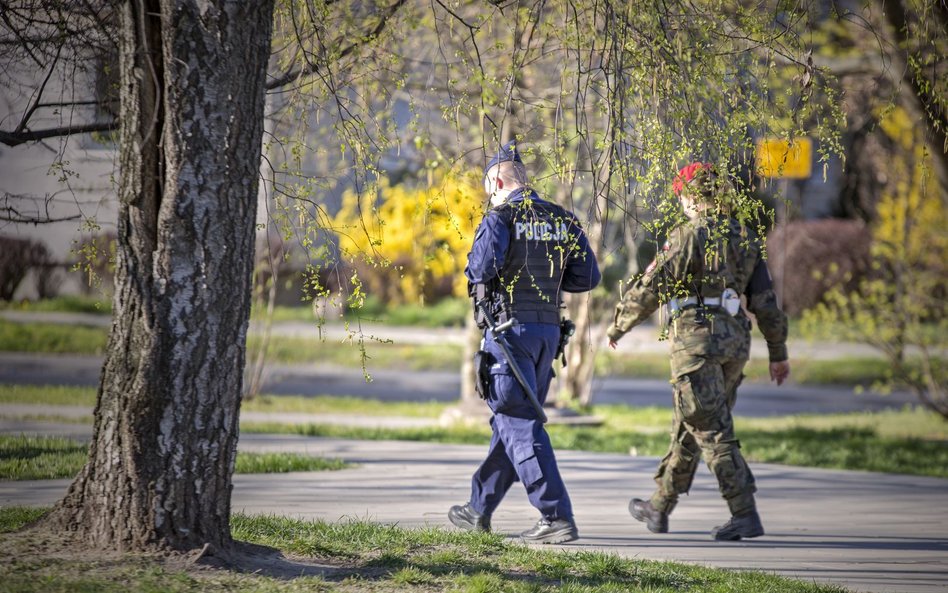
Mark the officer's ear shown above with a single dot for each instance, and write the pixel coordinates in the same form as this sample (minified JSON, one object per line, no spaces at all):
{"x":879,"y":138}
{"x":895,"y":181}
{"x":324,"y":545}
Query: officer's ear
{"x":500,"y":182}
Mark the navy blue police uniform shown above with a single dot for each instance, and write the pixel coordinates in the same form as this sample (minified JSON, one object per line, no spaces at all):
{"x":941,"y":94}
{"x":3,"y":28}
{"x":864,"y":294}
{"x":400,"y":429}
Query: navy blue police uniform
{"x":529,"y":250}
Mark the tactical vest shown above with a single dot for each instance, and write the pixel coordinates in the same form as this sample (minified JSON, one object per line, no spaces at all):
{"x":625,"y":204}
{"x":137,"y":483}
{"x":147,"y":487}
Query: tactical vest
{"x":543,"y":236}
{"x":728,"y":253}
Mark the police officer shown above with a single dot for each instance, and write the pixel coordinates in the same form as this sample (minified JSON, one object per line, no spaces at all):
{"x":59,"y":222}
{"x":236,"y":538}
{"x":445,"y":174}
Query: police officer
{"x":708,"y":262}
{"x":526,"y":251}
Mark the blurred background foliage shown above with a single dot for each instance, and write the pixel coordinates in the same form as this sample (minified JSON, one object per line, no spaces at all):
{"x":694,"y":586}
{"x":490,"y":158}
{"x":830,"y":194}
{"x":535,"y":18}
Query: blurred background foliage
{"x":381,"y":115}
{"x":412,"y":247}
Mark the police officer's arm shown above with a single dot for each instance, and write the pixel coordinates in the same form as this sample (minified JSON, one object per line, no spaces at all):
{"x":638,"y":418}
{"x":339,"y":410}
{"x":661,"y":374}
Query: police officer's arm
{"x":581,"y":272}
{"x":762,"y":302}
{"x":486,"y":258}
{"x":661,"y":281}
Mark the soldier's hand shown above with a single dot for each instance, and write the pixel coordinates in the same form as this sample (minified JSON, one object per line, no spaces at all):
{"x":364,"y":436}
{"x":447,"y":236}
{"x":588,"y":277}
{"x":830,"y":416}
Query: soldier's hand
{"x":612,"y":344}
{"x":779,"y":371}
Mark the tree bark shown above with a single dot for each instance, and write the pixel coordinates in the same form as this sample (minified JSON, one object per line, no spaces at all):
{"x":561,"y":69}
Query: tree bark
{"x":159,"y":473}
{"x":584,"y":310}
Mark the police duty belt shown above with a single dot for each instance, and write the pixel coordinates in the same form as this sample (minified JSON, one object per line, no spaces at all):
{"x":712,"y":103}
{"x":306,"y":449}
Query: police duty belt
{"x":497,"y":331}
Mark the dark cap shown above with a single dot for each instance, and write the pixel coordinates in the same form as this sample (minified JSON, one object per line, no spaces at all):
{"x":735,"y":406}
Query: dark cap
{"x":507,"y":152}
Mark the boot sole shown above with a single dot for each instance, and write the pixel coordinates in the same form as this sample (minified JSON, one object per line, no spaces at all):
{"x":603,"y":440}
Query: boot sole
{"x":739,"y":536}
{"x":557,"y":537}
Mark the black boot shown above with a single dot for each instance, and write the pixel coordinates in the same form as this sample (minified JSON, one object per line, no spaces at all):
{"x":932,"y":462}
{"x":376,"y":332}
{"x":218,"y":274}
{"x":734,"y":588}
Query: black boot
{"x":743,"y":526}
{"x":655,"y":520}
{"x":467,"y":518}
{"x":546,"y":531}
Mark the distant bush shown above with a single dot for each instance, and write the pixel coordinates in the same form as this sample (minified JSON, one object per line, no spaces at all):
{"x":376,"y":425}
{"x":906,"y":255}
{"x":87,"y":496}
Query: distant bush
{"x":18,"y":256}
{"x":901,"y":309}
{"x":809,"y":258}
{"x":408,"y":244}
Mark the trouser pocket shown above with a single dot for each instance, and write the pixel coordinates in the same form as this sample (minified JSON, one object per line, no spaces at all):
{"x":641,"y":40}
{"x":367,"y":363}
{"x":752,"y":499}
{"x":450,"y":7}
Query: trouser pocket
{"x":700,"y":394}
{"x":527,"y":464}
{"x":507,"y":395}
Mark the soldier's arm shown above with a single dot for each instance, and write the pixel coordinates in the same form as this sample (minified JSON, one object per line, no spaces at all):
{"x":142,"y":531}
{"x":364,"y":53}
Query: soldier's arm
{"x":662,"y":280}
{"x":636,"y":305}
{"x":762,"y":302}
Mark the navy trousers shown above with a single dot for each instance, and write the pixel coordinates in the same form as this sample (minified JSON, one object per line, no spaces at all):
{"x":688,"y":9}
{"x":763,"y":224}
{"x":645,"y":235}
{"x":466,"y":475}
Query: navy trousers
{"x":520,"y":447}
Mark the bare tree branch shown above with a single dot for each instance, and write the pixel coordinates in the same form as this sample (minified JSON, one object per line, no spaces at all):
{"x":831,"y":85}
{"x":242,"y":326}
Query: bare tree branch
{"x":9,"y":213}
{"x":312,"y":67}
{"x":4,"y":14}
{"x":22,"y":137}
{"x":39,"y":94}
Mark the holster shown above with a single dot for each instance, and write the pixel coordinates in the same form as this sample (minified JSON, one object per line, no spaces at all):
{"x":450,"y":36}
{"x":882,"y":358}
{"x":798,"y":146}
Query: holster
{"x":567,"y":329}
{"x":483,"y":360}
{"x":492,"y":298}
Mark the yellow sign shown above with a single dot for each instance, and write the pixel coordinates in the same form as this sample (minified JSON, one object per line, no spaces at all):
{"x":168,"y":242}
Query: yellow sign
{"x":781,"y":159}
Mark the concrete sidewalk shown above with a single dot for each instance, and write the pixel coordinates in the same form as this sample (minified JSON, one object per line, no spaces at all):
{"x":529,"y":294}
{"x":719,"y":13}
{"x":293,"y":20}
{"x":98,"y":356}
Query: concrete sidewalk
{"x":860,"y":530}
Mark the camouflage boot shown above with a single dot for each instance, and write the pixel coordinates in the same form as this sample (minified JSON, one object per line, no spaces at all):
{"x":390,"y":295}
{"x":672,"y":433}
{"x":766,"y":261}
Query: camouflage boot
{"x":743,"y":526}
{"x":655,"y":520}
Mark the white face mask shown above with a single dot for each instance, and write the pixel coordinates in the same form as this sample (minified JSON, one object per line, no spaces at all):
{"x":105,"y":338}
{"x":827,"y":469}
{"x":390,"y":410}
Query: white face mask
{"x":690,"y":207}
{"x":499,"y":197}
{"x":495,"y":195}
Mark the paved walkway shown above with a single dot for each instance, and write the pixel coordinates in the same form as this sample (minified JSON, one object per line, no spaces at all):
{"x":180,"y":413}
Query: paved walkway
{"x":864,"y":531}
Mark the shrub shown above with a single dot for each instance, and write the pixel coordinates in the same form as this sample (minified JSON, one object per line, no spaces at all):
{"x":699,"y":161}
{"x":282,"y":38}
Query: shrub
{"x":901,"y":309}
{"x":809,"y":258}
{"x":408,"y":245}
{"x":17,"y":257}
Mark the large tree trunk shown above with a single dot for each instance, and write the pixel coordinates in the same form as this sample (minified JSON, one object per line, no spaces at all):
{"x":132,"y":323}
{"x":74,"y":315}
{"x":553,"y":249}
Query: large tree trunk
{"x":166,"y":420}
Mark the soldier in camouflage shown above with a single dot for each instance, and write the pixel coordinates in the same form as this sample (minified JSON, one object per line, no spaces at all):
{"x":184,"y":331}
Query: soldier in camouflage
{"x":708,"y":262}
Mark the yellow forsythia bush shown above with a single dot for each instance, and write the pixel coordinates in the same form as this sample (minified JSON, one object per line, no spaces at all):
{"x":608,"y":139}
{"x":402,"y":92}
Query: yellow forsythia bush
{"x":911,"y":216}
{"x":410,"y":244}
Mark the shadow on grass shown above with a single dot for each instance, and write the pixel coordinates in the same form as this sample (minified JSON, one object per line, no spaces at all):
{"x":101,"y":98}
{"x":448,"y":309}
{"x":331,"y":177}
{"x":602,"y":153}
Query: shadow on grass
{"x":386,"y":556}
{"x":846,"y":448}
{"x":389,"y":566}
{"x":31,"y":451}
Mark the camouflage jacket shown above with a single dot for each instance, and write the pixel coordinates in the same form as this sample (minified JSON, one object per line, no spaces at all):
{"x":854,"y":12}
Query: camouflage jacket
{"x":702,"y":258}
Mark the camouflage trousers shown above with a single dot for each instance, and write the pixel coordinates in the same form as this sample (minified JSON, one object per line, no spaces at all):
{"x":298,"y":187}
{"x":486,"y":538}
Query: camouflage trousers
{"x":705,"y":389}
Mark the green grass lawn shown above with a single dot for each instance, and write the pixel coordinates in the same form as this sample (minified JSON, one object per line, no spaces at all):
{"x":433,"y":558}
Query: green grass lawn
{"x":62,"y":304}
{"x":370,"y":354}
{"x":52,"y":338}
{"x":45,"y":457}
{"x":363,"y":557}
{"x":445,"y":313}
{"x":853,"y":441}
{"x":910,"y":441}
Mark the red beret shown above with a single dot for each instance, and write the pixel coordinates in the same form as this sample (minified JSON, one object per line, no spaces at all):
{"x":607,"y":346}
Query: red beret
{"x":687,"y":173}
